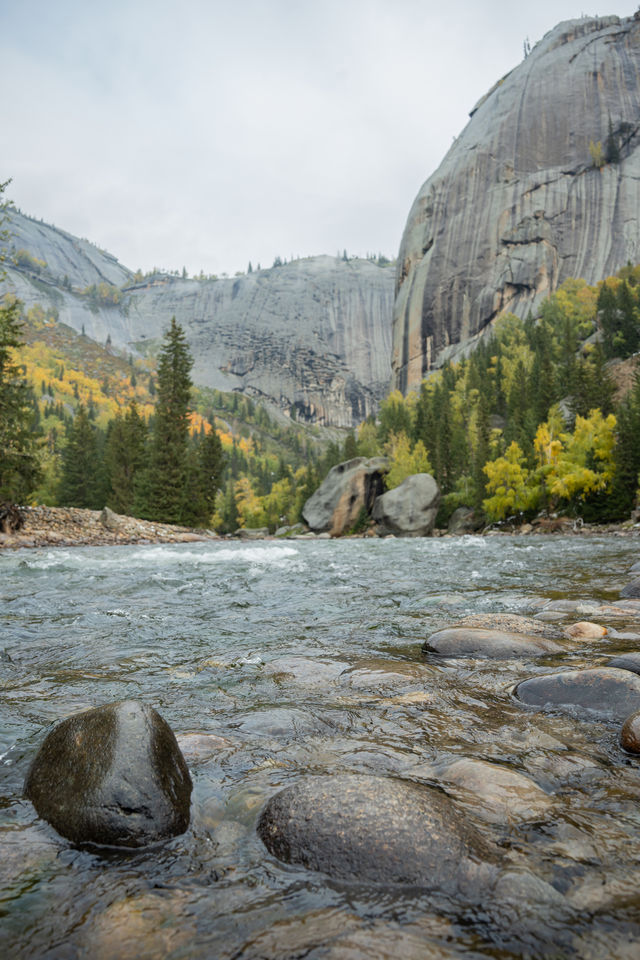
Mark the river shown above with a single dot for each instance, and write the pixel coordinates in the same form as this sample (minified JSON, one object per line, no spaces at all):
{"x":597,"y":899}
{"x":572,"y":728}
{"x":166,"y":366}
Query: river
{"x":290,"y":660}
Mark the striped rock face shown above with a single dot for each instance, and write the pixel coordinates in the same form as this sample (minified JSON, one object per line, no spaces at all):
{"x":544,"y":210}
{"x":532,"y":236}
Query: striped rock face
{"x":517,"y":205}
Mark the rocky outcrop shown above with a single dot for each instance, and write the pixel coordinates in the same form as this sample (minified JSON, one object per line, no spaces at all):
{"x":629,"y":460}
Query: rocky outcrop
{"x":409,"y":510}
{"x":312,"y":336}
{"x":348,"y":489}
{"x":113,"y":775}
{"x":523,"y":200}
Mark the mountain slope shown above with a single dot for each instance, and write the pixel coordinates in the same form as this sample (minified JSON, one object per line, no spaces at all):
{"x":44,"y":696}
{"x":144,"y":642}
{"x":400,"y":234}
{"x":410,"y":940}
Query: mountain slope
{"x":312,"y":336}
{"x":542,"y":184}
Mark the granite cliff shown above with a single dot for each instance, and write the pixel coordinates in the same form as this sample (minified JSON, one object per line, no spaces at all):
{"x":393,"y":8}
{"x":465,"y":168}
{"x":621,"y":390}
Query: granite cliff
{"x":543,"y":184}
{"x":313,"y":334}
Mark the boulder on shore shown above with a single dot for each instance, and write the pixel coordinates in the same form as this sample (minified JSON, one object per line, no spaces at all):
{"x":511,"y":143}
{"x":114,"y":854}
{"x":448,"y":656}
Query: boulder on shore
{"x":374,"y":829}
{"x":347,"y":490}
{"x":113,"y":775}
{"x":409,"y":510}
{"x":462,"y":521}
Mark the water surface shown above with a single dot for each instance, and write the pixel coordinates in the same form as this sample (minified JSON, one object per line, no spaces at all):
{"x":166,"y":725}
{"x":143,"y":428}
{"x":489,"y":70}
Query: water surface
{"x":305,"y":657}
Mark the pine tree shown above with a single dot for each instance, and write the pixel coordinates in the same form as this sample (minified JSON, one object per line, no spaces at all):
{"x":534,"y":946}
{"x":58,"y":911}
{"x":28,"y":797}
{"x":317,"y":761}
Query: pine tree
{"x":19,"y":464}
{"x":81,"y":481}
{"x":163,"y":495}
{"x":124,"y":457}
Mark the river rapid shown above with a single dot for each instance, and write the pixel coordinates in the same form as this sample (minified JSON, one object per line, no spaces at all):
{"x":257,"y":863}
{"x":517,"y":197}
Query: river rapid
{"x":274,"y":662}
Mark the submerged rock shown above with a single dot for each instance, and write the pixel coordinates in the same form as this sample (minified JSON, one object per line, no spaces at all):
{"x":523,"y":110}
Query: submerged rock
{"x":498,"y":795}
{"x":409,"y":510}
{"x":378,"y":830}
{"x":113,"y":775}
{"x":632,"y":590}
{"x":627,"y":661}
{"x":476,"y":642}
{"x":606,"y":692}
{"x":512,"y":623}
{"x":630,"y":733}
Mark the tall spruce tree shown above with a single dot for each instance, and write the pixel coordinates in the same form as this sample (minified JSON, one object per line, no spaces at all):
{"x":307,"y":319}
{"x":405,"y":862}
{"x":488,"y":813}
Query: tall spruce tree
{"x":124,"y":457}
{"x":163,"y":493}
{"x":82,"y":479}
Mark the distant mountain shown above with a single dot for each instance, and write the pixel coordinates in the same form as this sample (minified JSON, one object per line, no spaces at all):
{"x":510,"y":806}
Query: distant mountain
{"x":312,"y":336}
{"x":541,"y":185}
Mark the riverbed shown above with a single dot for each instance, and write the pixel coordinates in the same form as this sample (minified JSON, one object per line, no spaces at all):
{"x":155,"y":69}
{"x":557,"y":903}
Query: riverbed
{"x":274,"y":662}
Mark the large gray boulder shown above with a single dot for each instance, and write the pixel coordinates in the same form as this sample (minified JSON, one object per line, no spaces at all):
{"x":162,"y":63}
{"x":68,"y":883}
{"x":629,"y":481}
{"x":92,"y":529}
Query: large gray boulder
{"x":348,"y":488}
{"x":607,"y":693}
{"x":409,"y":510}
{"x":518,"y":205}
{"x":113,"y":775}
{"x":374,"y":829}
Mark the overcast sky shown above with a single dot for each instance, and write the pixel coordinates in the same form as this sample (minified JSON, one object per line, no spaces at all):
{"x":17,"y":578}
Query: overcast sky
{"x":208,"y":134}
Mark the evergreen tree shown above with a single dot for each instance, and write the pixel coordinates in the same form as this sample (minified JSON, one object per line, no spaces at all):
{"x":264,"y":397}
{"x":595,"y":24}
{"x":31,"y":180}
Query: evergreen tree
{"x":163,"y":494}
{"x":124,"y":458}
{"x":205,"y":465}
{"x":81,"y":481}
{"x":19,"y":464}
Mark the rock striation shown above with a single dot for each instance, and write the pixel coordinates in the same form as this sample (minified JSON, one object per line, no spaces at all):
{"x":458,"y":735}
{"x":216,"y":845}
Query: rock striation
{"x":525,"y":197}
{"x":312,"y":336}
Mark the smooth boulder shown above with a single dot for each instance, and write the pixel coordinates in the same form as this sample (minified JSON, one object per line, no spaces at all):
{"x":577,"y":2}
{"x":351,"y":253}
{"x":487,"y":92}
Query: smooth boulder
{"x":476,"y":642}
{"x":113,"y":775}
{"x":627,"y":661}
{"x":348,"y":489}
{"x":379,"y":830}
{"x":630,"y":733}
{"x":409,"y":510}
{"x":605,"y":692}
{"x":632,"y":590}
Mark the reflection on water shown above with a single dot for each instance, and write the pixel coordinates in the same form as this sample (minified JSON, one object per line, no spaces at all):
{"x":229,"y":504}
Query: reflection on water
{"x":273,"y":662}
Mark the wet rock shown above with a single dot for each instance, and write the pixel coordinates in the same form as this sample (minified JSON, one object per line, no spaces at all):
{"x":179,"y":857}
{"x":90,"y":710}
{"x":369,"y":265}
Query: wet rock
{"x":497,"y":794}
{"x":304,"y":669}
{"x":476,"y":642}
{"x":604,"y":692}
{"x":409,"y":510}
{"x":630,"y":733}
{"x":512,"y":623}
{"x":347,"y":490}
{"x":196,"y":747}
{"x":279,"y":722}
{"x":378,"y":830}
{"x":627,"y":661}
{"x":635,"y":568}
{"x":632,"y":590}
{"x":113,"y":775}
{"x":150,"y":926}
{"x":463,"y":520}
{"x":584,"y":630}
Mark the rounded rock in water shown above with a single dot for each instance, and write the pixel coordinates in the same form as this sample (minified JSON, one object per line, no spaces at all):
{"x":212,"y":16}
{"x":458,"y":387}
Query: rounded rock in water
{"x":113,"y":775}
{"x":605,"y":692}
{"x":378,"y":830}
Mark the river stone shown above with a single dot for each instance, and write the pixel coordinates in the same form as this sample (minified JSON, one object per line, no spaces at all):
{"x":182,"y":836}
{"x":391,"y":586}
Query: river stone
{"x":606,"y":692}
{"x":630,"y":733}
{"x":632,"y":590}
{"x":584,"y":630}
{"x":463,"y":520}
{"x":476,"y":642}
{"x":635,"y":568}
{"x":409,"y":510}
{"x":374,"y":829}
{"x":113,"y":775}
{"x":627,"y":661}
{"x":512,"y":623}
{"x":347,"y":490}
{"x":502,"y":795}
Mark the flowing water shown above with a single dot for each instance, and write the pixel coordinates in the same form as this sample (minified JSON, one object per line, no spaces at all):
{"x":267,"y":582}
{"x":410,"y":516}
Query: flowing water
{"x":296,"y":659}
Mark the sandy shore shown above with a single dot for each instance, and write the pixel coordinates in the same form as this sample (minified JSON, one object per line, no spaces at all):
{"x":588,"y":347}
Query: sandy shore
{"x":72,"y":526}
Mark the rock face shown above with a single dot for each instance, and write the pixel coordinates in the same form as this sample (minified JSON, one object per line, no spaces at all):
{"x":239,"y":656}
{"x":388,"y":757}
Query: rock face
{"x":313,"y":335}
{"x":409,"y":510}
{"x":113,"y":775}
{"x":347,"y":489}
{"x":517,"y":205}
{"x":378,"y":830}
{"x":605,"y":692}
